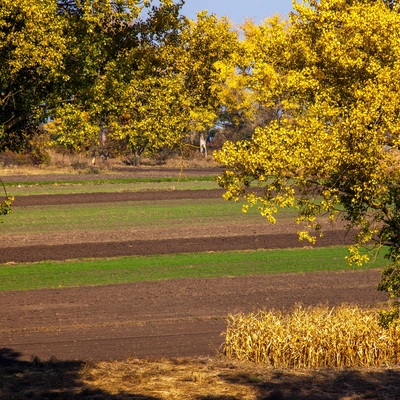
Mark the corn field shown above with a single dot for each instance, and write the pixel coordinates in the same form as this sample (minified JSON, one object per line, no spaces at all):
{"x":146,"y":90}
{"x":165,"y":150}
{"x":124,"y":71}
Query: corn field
{"x":312,"y":338}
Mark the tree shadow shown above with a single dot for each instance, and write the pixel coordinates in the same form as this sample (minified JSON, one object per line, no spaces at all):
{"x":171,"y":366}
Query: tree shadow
{"x":222,"y":397}
{"x":56,"y":380}
{"x":49,"y":380}
{"x":327,"y":384}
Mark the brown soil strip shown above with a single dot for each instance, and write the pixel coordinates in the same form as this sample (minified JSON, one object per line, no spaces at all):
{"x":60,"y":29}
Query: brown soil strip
{"x":86,"y":198}
{"x":163,"y":246}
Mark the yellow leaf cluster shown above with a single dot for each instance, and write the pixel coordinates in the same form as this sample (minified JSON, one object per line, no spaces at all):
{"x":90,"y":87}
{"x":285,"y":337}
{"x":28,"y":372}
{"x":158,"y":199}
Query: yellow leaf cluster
{"x":39,"y":42}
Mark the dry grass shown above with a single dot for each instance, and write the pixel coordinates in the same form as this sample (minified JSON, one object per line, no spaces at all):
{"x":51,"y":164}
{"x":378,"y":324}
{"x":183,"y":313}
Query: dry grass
{"x":167,"y":379}
{"x":78,"y":164}
{"x":313,"y":338}
{"x":190,"y":379}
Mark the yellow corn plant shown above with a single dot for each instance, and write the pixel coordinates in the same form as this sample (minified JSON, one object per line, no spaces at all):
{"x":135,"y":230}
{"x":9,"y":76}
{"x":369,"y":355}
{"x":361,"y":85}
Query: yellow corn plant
{"x":312,"y":338}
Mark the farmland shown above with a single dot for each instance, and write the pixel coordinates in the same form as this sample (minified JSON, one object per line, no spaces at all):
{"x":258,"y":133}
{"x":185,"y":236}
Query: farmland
{"x":124,"y":274}
{"x":181,"y":248}
{"x":188,"y":260}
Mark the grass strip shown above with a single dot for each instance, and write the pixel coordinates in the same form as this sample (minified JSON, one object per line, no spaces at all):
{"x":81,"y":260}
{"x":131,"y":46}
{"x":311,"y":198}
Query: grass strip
{"x":126,"y":215}
{"x":155,"y":268}
{"x":110,"y":180}
{"x":109,"y":187}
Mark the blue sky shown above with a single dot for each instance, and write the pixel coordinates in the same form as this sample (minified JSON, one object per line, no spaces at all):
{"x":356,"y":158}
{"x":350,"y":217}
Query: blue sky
{"x":239,"y":10}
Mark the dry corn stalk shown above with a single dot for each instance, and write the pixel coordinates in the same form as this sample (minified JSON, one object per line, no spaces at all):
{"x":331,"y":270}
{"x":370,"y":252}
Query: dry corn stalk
{"x":312,"y":337}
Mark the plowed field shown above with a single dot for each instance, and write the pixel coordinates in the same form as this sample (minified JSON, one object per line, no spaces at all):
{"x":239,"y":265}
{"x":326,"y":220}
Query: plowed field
{"x":182,"y":317}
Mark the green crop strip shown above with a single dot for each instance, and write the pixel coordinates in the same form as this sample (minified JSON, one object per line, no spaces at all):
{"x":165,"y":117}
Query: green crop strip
{"x":110,"y":180}
{"x":128,"y":215}
{"x":155,"y":268}
{"x":110,"y":185}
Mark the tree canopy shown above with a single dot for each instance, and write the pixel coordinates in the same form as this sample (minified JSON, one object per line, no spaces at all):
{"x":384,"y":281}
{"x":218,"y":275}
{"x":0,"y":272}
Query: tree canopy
{"x":144,"y":82}
{"x":332,"y":74}
{"x":31,"y":56}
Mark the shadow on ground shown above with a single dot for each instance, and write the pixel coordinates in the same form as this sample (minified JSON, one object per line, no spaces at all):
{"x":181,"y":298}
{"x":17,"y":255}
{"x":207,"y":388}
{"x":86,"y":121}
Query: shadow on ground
{"x":50,"y":380}
{"x":327,"y":384}
{"x":55,"y":379}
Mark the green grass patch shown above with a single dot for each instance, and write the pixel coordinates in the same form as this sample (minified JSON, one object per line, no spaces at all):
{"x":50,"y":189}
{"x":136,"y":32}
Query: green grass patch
{"x":127,"y":215}
{"x":155,"y":268}
{"x":107,"y":180}
{"x":108,"y":187}
{"x":25,"y":188}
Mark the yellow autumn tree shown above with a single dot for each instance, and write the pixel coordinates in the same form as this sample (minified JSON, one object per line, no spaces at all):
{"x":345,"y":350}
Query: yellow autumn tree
{"x":142,"y":93}
{"x":165,"y":83}
{"x":31,"y":56}
{"x":176,"y":88}
{"x":240,"y":110}
{"x":95,"y":34}
{"x":332,"y":73}
{"x":143,"y":83}
{"x":209,"y":45}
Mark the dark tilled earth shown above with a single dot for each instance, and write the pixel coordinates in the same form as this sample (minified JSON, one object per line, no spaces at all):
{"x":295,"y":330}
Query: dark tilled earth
{"x":171,"y":318}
